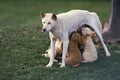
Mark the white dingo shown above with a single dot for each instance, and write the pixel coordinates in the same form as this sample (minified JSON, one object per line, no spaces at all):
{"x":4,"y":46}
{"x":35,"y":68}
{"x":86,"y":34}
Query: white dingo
{"x":62,"y":25}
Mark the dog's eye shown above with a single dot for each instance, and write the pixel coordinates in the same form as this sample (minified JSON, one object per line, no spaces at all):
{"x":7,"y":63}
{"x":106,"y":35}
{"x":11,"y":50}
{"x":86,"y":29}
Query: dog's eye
{"x":49,"y":23}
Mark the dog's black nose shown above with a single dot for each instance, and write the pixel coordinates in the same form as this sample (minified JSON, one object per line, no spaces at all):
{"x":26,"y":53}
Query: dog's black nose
{"x":44,"y":30}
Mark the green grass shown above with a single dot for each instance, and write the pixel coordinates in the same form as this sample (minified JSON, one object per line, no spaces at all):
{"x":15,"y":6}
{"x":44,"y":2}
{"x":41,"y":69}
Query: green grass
{"x":22,"y":43}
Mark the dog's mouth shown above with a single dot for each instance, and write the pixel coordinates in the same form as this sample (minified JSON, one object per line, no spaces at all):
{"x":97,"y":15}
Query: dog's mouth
{"x":52,"y":29}
{"x":45,"y":30}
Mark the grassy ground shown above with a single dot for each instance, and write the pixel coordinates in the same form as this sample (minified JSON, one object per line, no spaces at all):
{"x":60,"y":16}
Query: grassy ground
{"x":22,"y":43}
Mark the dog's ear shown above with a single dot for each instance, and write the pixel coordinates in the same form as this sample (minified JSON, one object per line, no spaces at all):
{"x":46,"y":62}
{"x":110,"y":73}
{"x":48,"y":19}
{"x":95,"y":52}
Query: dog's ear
{"x":42,"y":15}
{"x":54,"y":17}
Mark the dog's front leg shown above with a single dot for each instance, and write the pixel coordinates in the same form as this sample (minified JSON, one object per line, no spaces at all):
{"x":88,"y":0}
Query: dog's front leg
{"x":52,"y":52}
{"x":65,"y":51}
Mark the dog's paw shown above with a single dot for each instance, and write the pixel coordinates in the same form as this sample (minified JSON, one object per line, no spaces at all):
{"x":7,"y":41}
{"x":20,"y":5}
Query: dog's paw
{"x":49,"y":65}
{"x":108,"y":54}
{"x":62,"y":66}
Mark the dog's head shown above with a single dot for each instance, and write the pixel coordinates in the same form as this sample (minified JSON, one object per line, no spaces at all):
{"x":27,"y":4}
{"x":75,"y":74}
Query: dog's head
{"x":48,"y":21}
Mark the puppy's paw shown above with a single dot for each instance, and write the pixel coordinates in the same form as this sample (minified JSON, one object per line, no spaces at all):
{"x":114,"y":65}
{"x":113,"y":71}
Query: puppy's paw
{"x":84,"y":61}
{"x":45,"y":54}
{"x":76,"y":65}
{"x":60,"y":63}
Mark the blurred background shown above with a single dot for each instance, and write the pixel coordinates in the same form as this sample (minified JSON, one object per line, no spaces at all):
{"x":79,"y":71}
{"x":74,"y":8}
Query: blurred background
{"x":14,"y":12}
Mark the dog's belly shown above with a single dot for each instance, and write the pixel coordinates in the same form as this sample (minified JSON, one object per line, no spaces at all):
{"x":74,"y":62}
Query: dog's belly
{"x":74,"y":19}
{"x":74,"y":28}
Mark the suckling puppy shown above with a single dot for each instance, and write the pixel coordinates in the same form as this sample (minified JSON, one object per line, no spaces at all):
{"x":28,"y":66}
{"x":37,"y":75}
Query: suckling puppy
{"x":90,"y":52}
{"x":74,"y":55}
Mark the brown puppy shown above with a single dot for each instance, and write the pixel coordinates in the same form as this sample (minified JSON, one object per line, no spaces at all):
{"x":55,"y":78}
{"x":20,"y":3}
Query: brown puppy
{"x":74,"y":55}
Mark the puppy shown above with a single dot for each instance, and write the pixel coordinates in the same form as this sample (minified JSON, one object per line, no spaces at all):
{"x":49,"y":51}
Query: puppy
{"x":58,"y":50}
{"x":61,"y":25}
{"x":74,"y":55}
{"x":90,"y":52}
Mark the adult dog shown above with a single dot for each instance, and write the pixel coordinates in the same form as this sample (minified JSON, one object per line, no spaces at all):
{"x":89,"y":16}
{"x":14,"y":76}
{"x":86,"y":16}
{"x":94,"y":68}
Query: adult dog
{"x":62,"y":25}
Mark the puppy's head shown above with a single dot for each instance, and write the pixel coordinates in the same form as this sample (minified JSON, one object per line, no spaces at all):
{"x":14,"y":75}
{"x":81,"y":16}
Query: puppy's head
{"x":87,"y":31}
{"x":76,"y":37}
{"x":48,"y":21}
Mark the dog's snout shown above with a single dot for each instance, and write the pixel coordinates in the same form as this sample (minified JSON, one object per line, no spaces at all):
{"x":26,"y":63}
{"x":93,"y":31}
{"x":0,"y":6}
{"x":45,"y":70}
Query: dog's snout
{"x":44,"y":30}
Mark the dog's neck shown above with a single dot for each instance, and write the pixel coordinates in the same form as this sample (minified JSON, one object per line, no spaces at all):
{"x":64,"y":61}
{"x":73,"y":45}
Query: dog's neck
{"x":56,"y":30}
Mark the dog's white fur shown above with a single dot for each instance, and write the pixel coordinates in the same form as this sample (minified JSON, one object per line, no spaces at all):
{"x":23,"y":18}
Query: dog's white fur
{"x":61,"y":25}
{"x":90,"y":52}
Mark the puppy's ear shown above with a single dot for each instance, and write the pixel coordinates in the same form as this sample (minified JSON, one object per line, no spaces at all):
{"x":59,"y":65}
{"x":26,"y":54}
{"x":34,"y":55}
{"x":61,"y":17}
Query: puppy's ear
{"x":90,"y":32}
{"x":42,"y":15}
{"x":86,"y":31}
{"x":54,"y":17}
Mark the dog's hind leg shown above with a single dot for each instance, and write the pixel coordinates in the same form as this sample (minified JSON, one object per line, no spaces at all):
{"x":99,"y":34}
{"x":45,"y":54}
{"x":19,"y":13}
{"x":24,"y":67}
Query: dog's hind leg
{"x":101,"y":39}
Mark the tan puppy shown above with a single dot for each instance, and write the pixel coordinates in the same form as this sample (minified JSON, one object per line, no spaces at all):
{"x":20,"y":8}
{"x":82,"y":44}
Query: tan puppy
{"x":90,"y":52}
{"x":74,"y":55}
{"x":58,"y":50}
